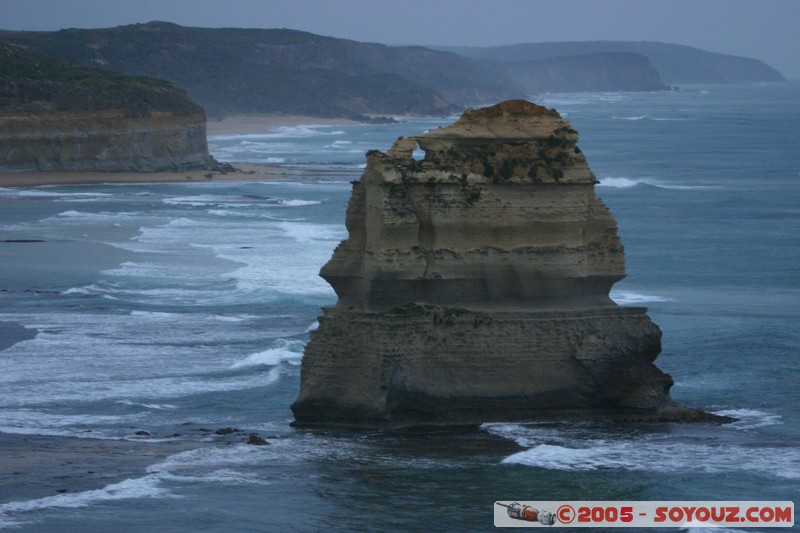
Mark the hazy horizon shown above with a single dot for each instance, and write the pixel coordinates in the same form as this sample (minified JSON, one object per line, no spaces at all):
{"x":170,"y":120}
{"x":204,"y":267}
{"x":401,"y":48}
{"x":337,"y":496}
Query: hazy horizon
{"x":764,"y":29}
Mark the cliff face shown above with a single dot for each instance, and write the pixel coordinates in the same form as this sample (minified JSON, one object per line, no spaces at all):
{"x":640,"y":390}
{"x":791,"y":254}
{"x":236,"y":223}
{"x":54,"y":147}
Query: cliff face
{"x":104,"y":141}
{"x":500,"y":213}
{"x":603,"y":71}
{"x":55,"y":115}
{"x":474,"y":285}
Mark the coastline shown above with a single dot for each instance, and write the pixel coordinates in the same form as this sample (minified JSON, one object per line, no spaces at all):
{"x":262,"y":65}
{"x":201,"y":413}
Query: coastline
{"x":244,"y":173}
{"x":38,"y":466}
{"x":263,"y":123}
{"x":233,"y":125}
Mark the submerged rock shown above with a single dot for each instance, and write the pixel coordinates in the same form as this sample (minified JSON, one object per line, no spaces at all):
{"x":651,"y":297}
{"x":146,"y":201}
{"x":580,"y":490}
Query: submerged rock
{"x":474,"y":287}
{"x":256,"y":440}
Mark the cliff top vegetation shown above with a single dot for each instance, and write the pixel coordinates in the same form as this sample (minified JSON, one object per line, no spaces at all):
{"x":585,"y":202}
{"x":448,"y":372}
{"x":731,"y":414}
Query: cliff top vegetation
{"x":34,"y":84}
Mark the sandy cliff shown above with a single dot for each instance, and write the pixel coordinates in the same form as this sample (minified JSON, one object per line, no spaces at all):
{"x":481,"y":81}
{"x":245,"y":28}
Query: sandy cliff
{"x":103,"y":140}
{"x":474,"y":285}
{"x":56,"y":115}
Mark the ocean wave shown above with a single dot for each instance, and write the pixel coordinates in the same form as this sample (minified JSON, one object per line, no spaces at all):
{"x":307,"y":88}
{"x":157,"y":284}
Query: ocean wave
{"x":197,"y":200}
{"x":625,"y":183}
{"x":36,"y":421}
{"x":552,"y":449}
{"x":750,"y":418}
{"x":156,"y":406}
{"x":94,"y":217}
{"x":65,"y":195}
{"x":557,"y":100}
{"x":635,"y":298}
{"x":654,"y":119}
{"x":153,"y":389}
{"x":284,"y":351}
{"x":237,"y":202}
{"x":620,"y":183}
{"x":224,"y":477}
{"x":145,"y":487}
{"x":297,"y":203}
{"x":308,"y":130}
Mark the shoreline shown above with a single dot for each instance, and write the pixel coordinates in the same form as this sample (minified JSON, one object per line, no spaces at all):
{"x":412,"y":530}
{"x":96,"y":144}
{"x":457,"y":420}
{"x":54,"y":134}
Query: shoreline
{"x":233,"y":125}
{"x":265,"y":123}
{"x":77,"y":177}
{"x":38,"y":466}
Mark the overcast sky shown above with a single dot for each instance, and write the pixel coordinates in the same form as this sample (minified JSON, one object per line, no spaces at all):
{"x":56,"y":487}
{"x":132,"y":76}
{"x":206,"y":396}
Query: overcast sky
{"x":764,"y":29}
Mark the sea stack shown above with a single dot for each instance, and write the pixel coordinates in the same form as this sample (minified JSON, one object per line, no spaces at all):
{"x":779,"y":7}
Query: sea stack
{"x":474,"y":287}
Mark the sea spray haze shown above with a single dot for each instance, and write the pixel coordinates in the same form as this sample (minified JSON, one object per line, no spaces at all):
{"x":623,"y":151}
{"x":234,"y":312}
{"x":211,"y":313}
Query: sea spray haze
{"x":177,"y":308}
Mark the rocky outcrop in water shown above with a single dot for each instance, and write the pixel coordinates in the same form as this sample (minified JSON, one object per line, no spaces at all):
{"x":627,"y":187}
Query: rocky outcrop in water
{"x":55,"y":115}
{"x":473,"y":287}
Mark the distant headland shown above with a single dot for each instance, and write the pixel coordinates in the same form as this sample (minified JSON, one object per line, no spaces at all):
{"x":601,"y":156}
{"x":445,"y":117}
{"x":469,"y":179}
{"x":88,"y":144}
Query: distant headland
{"x":231,"y":71}
{"x":56,"y":115}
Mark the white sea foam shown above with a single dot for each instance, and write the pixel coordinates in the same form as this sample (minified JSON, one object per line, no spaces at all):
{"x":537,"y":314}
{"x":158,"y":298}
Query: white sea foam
{"x":635,"y":298}
{"x":307,"y":130}
{"x":654,"y":119}
{"x":304,"y":232}
{"x":63,"y":195}
{"x":620,"y":183}
{"x":156,"y":406}
{"x":84,"y":217}
{"x":30,"y":421}
{"x":564,"y":450}
{"x":558,"y":100}
{"x":197,"y":200}
{"x":155,"y":389}
{"x":144,"y":487}
{"x":625,"y":183}
{"x":223,"y":477}
{"x":94,"y":358}
{"x":750,"y":418}
{"x":298,"y":203}
{"x":284,"y":351}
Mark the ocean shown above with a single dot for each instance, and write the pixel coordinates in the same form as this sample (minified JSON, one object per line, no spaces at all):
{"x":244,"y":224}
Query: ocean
{"x":139,"y":320}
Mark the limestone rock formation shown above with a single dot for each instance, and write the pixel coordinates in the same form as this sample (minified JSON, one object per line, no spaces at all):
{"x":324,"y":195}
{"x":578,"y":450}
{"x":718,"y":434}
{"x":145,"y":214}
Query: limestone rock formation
{"x":56,"y":115}
{"x":105,"y":140}
{"x":473,"y":287}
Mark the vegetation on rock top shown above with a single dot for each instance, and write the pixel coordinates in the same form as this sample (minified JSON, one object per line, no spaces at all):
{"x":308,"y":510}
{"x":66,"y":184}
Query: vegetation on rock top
{"x":33,"y":84}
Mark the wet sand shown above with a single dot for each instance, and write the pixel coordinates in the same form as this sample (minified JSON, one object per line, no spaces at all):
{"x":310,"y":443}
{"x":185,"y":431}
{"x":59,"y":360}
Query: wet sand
{"x":37,"y":466}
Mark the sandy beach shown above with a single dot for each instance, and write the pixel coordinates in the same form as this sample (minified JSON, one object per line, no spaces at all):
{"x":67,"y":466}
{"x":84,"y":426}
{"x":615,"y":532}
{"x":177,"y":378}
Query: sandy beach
{"x":262,"y":123}
{"x":239,"y":124}
{"x":245,"y":173}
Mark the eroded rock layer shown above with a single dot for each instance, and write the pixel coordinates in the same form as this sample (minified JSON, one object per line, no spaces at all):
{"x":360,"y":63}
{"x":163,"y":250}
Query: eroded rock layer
{"x":474,"y":284}
{"x":59,"y":116}
{"x":105,"y":140}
